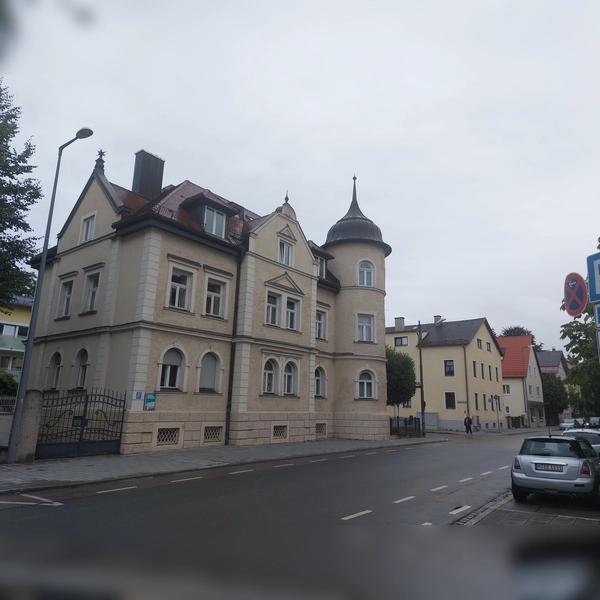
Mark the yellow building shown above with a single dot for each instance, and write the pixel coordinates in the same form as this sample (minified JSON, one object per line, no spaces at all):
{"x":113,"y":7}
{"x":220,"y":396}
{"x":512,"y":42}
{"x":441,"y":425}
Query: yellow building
{"x":462,"y":372}
{"x":14,"y":328}
{"x":246,"y":331}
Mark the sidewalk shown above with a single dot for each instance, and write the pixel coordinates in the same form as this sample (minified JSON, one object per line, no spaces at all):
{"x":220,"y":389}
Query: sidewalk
{"x":62,"y":472}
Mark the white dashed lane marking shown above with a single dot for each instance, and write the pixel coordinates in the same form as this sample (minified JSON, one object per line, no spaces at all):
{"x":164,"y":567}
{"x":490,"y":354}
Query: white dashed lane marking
{"x":487,"y":472}
{"x":437,"y":489}
{"x":370,"y":453}
{"x":506,"y":467}
{"x":467,"y":479}
{"x":360,"y":514}
{"x":347,"y":456}
{"x":391,"y":451}
{"x":186,"y":479}
{"x":459,"y":510}
{"x":427,"y":523}
{"x":23,"y":503}
{"x":238,"y":472}
{"x":404,"y":499}
{"x":286,"y":465}
{"x":318,"y":460}
{"x":132,"y":487}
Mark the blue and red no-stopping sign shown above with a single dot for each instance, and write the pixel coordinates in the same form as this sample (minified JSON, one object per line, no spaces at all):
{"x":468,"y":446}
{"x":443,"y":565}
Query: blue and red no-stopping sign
{"x":575,"y":294}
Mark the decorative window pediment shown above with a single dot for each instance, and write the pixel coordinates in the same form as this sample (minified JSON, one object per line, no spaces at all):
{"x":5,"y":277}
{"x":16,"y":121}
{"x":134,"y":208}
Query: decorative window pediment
{"x":287,"y":233}
{"x":285,"y":282}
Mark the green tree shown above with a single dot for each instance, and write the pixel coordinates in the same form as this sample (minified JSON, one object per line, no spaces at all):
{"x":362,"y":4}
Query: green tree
{"x":556,"y":398}
{"x":18,"y":193}
{"x":8,"y":384}
{"x":517,"y":330}
{"x":583,"y":358}
{"x":401,"y":377}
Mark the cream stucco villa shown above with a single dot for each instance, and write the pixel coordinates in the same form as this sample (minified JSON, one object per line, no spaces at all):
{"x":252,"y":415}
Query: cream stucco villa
{"x":247,"y":332}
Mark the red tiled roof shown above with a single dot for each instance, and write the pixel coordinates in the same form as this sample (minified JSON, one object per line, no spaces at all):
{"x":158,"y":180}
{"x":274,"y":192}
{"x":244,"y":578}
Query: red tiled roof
{"x":129,"y":199}
{"x":516,"y":354}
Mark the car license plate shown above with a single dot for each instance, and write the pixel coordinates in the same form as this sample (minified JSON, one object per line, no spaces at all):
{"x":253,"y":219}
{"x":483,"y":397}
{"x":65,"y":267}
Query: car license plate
{"x":546,"y":467}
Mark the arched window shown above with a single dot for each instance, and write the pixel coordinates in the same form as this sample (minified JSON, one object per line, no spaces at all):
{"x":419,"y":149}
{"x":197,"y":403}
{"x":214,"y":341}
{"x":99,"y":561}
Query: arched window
{"x":171,"y":369}
{"x":82,"y":371}
{"x":208,"y":373}
{"x":365,"y":274}
{"x":289,"y":379}
{"x":319,"y":382}
{"x":365,"y":385}
{"x":56,"y":367}
{"x":269,"y":373}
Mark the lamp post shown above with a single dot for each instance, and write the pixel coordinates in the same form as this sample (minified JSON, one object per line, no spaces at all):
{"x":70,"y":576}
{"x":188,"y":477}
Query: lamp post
{"x":13,"y":441}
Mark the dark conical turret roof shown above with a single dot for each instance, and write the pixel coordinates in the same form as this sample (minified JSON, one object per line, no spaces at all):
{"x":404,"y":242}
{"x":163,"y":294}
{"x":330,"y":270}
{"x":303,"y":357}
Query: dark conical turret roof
{"x":355,"y":227}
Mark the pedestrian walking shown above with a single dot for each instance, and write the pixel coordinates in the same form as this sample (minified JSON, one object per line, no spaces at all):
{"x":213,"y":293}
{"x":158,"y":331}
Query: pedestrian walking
{"x":468,"y":422}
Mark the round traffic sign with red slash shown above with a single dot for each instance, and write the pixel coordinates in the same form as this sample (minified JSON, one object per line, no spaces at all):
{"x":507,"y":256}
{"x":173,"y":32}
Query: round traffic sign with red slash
{"x":575,"y":294}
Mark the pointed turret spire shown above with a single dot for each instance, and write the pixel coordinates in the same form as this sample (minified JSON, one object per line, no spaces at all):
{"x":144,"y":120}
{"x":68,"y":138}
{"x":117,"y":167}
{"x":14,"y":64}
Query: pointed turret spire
{"x":100,"y":161}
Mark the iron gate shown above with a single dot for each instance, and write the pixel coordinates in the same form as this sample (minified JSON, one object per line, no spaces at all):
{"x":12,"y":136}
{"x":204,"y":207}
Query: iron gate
{"x":80,"y":423}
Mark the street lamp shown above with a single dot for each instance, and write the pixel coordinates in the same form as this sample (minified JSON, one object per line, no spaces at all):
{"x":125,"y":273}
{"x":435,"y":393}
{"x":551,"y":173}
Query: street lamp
{"x":13,"y":441}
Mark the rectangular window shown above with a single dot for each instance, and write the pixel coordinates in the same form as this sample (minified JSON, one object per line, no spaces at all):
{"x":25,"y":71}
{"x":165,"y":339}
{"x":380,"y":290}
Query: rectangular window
{"x":5,"y":362}
{"x":507,"y":409}
{"x":541,"y":413}
{"x":484,"y":402}
{"x":488,"y":346}
{"x":490,"y":371}
{"x":92,"y":295}
{"x":449,"y":368}
{"x":285,"y":253}
{"x":214,"y":298}
{"x":291,"y":314}
{"x":476,"y":401}
{"x":482,"y":371}
{"x":474,"y":368}
{"x":497,"y":374}
{"x":320,"y":325}
{"x":531,"y":390}
{"x":532,"y":414}
{"x":479,"y":343}
{"x":407,"y":404}
{"x":87,"y":230}
{"x":180,"y":286}
{"x":535,"y":371}
{"x":322,"y":267}
{"x":65,"y":300}
{"x":22,"y":331}
{"x":401,"y":341}
{"x":530,"y":369}
{"x":450,"y":398}
{"x":214,"y":222}
{"x":272,"y":309}
{"x":538,"y":391}
{"x":365,"y":328}
{"x":506,"y":389}
{"x":9,"y":330}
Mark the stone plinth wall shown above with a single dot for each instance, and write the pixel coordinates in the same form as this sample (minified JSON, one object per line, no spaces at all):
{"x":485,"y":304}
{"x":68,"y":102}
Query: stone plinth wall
{"x":147,"y":431}
{"x":357,"y":426}
{"x":257,"y":428}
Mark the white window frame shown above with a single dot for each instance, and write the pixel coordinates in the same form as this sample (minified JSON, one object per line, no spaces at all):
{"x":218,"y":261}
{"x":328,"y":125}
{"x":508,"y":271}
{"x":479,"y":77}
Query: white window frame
{"x":366,"y":274}
{"x":506,"y":389}
{"x":321,"y":325}
{"x":82,"y":368}
{"x":65,"y":305}
{"x":290,"y":378}
{"x":88,"y":227}
{"x":173,"y":285}
{"x":9,"y":329}
{"x":365,"y":331}
{"x":192,"y":272}
{"x":272,"y":389}
{"x":322,"y":268}
{"x":285,"y":253}
{"x":446,"y":401}
{"x":507,"y":409}
{"x":209,"y":297}
{"x":366,"y":387}
{"x":91,"y":296}
{"x":217,"y":375}
{"x":320,"y":383}
{"x":57,"y":366}
{"x":273,"y":309}
{"x":292,"y":307}
{"x":213,"y":229}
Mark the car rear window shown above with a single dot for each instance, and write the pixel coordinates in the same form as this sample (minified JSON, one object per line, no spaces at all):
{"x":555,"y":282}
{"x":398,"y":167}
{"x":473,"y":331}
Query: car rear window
{"x":592,"y":438}
{"x":565,"y":448}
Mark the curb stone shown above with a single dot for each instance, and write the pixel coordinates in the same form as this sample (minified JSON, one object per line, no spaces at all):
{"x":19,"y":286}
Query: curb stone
{"x":482,"y":512}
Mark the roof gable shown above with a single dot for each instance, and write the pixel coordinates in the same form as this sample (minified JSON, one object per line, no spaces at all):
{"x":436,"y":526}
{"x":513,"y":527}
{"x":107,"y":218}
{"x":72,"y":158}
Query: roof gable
{"x":286,"y":283}
{"x":517,"y":350}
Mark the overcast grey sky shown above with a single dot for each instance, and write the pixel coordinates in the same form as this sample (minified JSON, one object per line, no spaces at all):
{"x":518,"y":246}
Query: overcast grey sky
{"x":472,"y":127}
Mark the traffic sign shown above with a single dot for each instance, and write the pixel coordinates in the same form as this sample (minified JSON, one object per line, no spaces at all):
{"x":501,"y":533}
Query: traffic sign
{"x":575,"y":294}
{"x":593,"y":263}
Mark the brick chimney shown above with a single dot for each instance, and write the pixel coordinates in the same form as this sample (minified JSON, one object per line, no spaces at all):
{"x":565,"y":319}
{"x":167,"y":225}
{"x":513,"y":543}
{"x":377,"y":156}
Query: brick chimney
{"x":399,"y":324}
{"x":147,"y":175}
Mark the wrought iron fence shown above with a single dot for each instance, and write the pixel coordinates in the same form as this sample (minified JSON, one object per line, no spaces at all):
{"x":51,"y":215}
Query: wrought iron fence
{"x":408,"y":427}
{"x":7,"y":405}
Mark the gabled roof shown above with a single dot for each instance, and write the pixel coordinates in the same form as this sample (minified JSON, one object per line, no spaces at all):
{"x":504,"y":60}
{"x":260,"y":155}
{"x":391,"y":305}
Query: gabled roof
{"x":550,"y":361}
{"x":447,"y":333}
{"x":516,"y":354}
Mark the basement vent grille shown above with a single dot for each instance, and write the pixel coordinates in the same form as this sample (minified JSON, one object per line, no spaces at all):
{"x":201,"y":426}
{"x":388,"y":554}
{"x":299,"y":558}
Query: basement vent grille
{"x":280,"y":432}
{"x":321,"y":428}
{"x":213,"y":434}
{"x":167,"y":437}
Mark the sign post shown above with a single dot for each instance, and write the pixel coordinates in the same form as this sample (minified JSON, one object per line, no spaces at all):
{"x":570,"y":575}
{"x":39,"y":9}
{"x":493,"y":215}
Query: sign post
{"x":593,"y":263}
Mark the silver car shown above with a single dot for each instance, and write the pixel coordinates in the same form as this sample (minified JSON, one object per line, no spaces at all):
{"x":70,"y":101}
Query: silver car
{"x":561,"y":465}
{"x":591,"y":435}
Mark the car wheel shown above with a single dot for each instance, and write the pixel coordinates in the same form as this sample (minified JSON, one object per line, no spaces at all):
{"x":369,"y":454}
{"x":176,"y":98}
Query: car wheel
{"x":518,"y":495}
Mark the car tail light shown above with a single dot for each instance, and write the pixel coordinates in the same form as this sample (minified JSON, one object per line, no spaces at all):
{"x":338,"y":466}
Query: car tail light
{"x":517,"y":464}
{"x":585,"y":468}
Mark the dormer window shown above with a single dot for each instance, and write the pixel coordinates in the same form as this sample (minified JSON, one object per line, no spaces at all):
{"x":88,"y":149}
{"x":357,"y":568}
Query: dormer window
{"x":322,"y":267}
{"x":214,"y":222}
